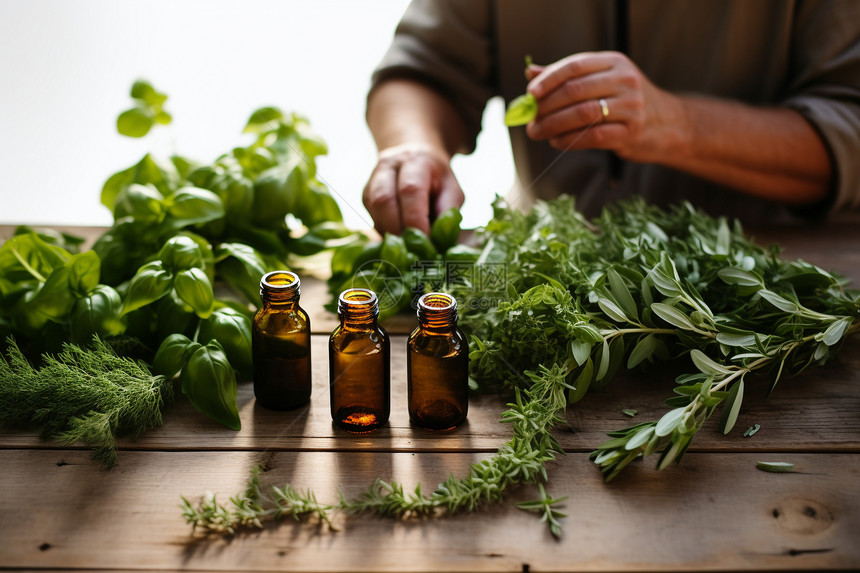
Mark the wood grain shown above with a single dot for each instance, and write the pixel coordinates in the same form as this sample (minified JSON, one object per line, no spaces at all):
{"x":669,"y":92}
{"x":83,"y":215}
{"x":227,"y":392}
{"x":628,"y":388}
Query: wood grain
{"x":818,"y":410}
{"x":715,"y":511}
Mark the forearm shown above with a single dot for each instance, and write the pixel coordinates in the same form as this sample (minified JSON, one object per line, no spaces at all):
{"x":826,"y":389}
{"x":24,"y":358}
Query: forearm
{"x":772,"y":153}
{"x":405,"y":112}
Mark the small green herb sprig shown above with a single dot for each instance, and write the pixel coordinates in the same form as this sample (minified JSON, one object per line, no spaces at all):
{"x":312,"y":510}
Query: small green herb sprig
{"x":88,"y":395}
{"x":645,"y":285}
{"x":520,"y":460}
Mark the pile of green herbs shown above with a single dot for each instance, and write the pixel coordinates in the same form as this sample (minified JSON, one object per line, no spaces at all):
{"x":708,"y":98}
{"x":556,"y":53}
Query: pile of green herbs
{"x":580,"y":300}
{"x":399,"y":268}
{"x":147,"y":284}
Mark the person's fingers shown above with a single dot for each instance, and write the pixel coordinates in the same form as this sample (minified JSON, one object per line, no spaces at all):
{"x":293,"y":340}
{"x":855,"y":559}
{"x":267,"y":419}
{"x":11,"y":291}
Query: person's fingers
{"x":414,"y":181}
{"x":533,"y":70}
{"x":575,"y":117}
{"x":450,"y":194}
{"x":380,"y":199}
{"x":602,"y":136}
{"x":574,"y":66}
{"x":591,"y":87}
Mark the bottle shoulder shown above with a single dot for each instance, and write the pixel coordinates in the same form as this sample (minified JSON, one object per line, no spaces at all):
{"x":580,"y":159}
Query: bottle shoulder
{"x":281,"y":320}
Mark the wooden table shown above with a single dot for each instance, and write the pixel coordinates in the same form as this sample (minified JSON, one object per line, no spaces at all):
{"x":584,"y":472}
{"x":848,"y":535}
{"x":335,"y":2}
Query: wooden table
{"x":715,"y":511}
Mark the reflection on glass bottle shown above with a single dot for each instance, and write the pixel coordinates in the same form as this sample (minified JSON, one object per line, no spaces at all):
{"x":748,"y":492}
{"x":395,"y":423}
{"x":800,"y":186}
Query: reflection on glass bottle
{"x":359,"y":366}
{"x":281,"y":338}
{"x":437,"y":363}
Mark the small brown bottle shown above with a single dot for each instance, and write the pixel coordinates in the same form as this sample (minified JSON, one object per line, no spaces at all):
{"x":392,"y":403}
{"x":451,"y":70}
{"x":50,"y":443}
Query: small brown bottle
{"x":359,"y":368}
{"x":437,"y":363}
{"x":281,"y":343}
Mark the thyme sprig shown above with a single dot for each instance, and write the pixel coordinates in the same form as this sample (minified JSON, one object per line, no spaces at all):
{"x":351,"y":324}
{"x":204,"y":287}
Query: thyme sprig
{"x":522,"y":459}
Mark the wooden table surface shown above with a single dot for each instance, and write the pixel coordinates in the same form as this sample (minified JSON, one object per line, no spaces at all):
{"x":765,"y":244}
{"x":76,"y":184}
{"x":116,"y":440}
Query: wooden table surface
{"x":714,"y":511}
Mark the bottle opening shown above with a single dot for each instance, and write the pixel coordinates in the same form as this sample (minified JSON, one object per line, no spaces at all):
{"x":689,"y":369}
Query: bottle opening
{"x":438,"y":301}
{"x":437,"y":310}
{"x":280,"y":280}
{"x":358,"y":303}
{"x":280,"y":287}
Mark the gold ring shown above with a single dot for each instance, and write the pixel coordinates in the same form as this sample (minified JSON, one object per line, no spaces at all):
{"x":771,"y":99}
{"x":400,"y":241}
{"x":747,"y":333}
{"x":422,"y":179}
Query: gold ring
{"x":604,"y":107}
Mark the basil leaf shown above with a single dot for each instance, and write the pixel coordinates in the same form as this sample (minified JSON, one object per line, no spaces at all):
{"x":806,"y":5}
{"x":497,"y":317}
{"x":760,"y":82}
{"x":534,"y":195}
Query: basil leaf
{"x":521,"y":110}
{"x":193,"y":287}
{"x":209,"y":383}
{"x":445,"y":231}
{"x":150,"y":283}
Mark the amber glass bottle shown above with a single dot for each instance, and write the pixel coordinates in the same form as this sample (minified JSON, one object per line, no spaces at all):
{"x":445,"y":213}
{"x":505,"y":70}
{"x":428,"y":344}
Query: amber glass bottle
{"x":281,"y":338}
{"x":359,"y":366}
{"x":437,"y":363}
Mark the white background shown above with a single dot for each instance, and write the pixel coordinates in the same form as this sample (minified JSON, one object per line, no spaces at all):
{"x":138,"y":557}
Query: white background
{"x":66,"y":67}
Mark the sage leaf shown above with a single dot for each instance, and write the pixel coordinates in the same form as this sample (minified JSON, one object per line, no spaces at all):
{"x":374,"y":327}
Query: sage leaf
{"x":778,"y":301}
{"x":642,"y":351}
{"x":667,"y":424}
{"x":612,"y":310}
{"x":673,"y":316}
{"x":739,"y":277}
{"x":732,"y":407}
{"x":706,"y":364}
{"x":775,"y":467}
{"x":836,"y":331}
{"x":582,"y":382}
{"x":621,"y":294}
{"x":640,"y":438}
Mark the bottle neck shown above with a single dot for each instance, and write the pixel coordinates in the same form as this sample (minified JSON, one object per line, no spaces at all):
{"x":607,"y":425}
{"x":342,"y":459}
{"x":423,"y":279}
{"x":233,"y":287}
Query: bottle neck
{"x":358,"y":309}
{"x":280,"y":289}
{"x":437,"y":313}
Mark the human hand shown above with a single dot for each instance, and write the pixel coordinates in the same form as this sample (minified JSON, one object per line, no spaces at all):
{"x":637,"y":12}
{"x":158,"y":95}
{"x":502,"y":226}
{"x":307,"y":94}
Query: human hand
{"x":644,"y":123}
{"x":409,"y":184}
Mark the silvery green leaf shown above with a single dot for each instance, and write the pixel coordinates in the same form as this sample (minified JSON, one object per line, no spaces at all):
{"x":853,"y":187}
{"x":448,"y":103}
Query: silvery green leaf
{"x":706,"y":365}
{"x":739,"y":277}
{"x":612,"y":310}
{"x":621,"y":293}
{"x":836,"y":331}
{"x":821,"y":351}
{"x":666,"y":285}
{"x":580,"y":350}
{"x":629,"y":412}
{"x":656,"y":232}
{"x":667,"y":424}
{"x":732,"y":339}
{"x":778,"y":301}
{"x":604,"y":361}
{"x":724,"y":238}
{"x":640,"y":438}
{"x":673,"y":316}
{"x":732,"y":407}
{"x":669,"y":455}
{"x":582,"y":382}
{"x":776,"y":467}
{"x":642,"y":351}
{"x":652,"y":445}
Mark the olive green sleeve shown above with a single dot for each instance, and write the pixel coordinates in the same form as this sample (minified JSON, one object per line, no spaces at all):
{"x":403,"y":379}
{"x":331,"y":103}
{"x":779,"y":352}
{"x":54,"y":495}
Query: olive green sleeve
{"x":824,"y":86}
{"x":446,"y":45}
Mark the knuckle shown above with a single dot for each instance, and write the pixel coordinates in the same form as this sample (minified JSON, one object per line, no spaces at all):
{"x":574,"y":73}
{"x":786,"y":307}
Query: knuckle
{"x":411,"y":189}
{"x":378,"y":199}
{"x":572,"y":90}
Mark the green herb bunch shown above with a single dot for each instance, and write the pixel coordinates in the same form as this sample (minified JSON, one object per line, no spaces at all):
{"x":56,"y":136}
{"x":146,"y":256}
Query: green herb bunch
{"x":582,"y":300}
{"x":89,"y":395}
{"x":179,"y":228}
{"x":399,"y":267}
{"x":648,"y":285}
